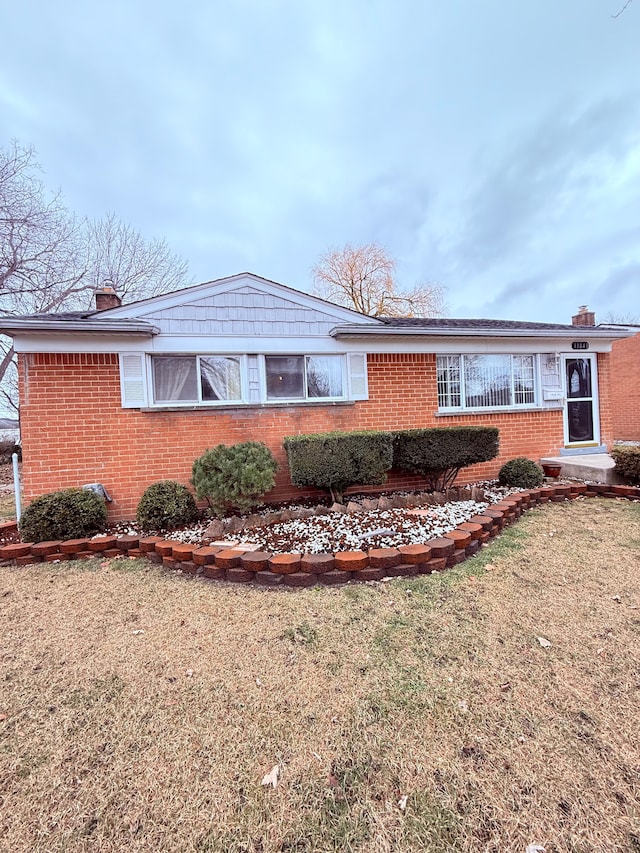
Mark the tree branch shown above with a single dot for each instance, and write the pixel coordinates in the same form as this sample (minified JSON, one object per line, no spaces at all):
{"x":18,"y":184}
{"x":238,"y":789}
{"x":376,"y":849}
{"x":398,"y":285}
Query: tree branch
{"x":50,"y":259}
{"x":617,"y":15}
{"x":363,"y":278}
{"x":6,"y":362}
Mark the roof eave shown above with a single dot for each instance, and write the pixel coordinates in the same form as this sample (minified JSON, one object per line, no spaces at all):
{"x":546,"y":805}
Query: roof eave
{"x":351,"y":332}
{"x":121,"y":327}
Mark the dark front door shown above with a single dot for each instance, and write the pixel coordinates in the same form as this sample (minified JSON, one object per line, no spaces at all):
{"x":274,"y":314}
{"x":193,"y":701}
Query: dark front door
{"x":581,"y":418}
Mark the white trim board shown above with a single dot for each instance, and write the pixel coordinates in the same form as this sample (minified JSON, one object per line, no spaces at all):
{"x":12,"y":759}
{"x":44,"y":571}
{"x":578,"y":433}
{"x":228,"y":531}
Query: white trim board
{"x":103,"y":342}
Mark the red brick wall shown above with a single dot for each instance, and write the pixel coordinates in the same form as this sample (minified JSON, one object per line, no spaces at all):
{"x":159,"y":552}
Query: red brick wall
{"x":606,"y":407}
{"x":74,"y":430}
{"x":625,"y":389}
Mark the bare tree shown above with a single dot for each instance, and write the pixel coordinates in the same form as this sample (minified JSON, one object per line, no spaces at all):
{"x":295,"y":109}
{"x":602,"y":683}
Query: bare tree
{"x":40,"y":241}
{"x":41,"y":254}
{"x":9,"y":373}
{"x":363,"y":278}
{"x":138,"y":268}
{"x":51,"y":261}
{"x":621,"y":319}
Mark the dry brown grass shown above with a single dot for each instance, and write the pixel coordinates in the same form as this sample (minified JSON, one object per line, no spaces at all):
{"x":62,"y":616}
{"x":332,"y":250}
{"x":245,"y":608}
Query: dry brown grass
{"x":435,"y":689}
{"x":7,"y":506}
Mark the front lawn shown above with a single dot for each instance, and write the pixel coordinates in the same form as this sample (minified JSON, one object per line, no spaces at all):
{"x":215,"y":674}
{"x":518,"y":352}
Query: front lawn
{"x":487,"y":708}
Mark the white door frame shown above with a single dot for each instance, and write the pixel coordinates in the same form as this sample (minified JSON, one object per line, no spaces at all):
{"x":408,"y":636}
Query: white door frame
{"x":595,"y":403}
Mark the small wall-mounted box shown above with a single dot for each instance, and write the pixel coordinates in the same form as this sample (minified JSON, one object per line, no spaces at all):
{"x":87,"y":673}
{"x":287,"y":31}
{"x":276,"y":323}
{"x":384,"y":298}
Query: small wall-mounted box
{"x":553,"y":394}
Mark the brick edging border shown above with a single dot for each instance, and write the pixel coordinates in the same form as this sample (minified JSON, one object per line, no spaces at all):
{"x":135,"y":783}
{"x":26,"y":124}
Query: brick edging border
{"x":303,"y":570}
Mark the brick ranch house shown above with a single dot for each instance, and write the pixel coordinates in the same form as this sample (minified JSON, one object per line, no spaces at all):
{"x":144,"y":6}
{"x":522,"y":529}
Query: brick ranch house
{"x":130,"y":394}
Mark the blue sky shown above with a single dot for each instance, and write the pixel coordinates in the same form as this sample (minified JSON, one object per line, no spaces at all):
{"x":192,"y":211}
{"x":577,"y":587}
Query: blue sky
{"x":492,"y":147}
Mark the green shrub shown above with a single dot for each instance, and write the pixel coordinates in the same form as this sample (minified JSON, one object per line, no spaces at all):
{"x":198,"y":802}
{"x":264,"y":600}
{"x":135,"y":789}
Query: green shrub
{"x":438,"y":453}
{"x":337,"y":460}
{"x":235,"y":477}
{"x":165,"y":505}
{"x":522,"y":473}
{"x":627,"y":459}
{"x":69,"y":514}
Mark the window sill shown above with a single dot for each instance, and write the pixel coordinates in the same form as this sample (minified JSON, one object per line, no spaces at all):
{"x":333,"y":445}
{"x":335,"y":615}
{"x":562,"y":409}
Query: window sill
{"x":510,"y":410}
{"x":234,"y":407}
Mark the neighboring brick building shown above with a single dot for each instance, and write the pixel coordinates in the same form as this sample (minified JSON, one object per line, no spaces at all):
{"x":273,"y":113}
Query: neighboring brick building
{"x":132,"y":394}
{"x":625,"y":387}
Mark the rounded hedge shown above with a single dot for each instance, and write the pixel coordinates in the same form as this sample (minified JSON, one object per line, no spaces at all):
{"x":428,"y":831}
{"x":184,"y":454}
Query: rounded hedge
{"x":165,"y":505}
{"x":68,"y":514}
{"x":522,"y":473}
{"x":627,"y":459}
{"x":337,"y":460}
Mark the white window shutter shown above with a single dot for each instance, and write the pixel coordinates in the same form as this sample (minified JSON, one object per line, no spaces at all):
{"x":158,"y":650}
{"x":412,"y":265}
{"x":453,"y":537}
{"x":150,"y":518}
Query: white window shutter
{"x":550,"y":370}
{"x":253,"y":371}
{"x":357,"y":370}
{"x":133,"y":381}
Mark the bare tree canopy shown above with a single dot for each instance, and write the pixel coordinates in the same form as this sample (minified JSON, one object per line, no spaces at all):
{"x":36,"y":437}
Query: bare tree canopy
{"x":363,"y":278}
{"x":51,"y":261}
{"x":138,"y":268}
{"x":621,"y":319}
{"x":40,"y":247}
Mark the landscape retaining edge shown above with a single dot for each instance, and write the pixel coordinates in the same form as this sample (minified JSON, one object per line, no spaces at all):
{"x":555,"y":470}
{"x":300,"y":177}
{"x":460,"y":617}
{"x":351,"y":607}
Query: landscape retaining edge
{"x":302,"y":570}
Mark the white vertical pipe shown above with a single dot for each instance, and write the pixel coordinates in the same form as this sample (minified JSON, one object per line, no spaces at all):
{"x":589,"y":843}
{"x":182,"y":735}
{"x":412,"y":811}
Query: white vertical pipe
{"x":16,"y":485}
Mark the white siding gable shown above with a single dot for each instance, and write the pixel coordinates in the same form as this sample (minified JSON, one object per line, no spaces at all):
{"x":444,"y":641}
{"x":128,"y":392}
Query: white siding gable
{"x":244,"y":311}
{"x":244,"y":306}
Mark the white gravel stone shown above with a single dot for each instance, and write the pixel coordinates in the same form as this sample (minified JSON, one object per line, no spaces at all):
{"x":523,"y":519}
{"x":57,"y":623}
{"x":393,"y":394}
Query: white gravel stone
{"x":339,"y":531}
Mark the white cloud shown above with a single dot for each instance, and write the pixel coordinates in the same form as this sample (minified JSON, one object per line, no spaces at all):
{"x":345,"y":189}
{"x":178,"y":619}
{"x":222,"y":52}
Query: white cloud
{"x":489,"y":146}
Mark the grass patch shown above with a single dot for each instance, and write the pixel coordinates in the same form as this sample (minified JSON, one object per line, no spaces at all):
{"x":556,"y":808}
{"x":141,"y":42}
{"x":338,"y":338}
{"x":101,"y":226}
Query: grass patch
{"x":101,"y":690}
{"x":128,"y":564}
{"x":140,"y":710}
{"x":302,"y":634}
{"x":7,"y":507}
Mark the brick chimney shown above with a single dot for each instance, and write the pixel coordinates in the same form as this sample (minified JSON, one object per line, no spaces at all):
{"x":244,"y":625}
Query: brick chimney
{"x":106,"y":296}
{"x":584,"y":317}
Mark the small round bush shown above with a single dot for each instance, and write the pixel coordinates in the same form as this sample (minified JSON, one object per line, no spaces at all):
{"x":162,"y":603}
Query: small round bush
{"x":627,"y":459}
{"x":522,"y":473}
{"x":234,"y":477}
{"x":165,"y":505}
{"x":69,"y":514}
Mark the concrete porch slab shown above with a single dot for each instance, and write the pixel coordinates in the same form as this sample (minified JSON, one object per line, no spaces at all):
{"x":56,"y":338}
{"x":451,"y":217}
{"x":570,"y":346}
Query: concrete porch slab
{"x":596,"y":467}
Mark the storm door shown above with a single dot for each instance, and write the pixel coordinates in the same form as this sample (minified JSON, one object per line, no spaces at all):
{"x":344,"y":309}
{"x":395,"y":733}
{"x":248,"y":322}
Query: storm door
{"x":581,"y":422}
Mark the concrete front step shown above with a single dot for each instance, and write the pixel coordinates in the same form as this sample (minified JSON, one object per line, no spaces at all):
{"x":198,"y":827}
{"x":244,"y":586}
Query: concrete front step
{"x":596,"y":467}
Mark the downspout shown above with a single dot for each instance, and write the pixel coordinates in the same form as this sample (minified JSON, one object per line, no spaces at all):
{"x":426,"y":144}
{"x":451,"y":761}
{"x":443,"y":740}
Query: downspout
{"x":16,"y":486}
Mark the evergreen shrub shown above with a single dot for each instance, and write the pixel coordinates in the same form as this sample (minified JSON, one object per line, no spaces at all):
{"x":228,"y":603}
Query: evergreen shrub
{"x":337,"y":460}
{"x":627,"y":459}
{"x":522,"y":473}
{"x":165,"y":505}
{"x":439,"y":453}
{"x":234,"y":477}
{"x":68,"y":514}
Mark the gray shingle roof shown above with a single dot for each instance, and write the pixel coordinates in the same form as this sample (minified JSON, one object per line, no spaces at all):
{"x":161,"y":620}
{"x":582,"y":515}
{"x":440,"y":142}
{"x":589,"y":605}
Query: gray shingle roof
{"x":454,"y":323}
{"x":63,"y":315}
